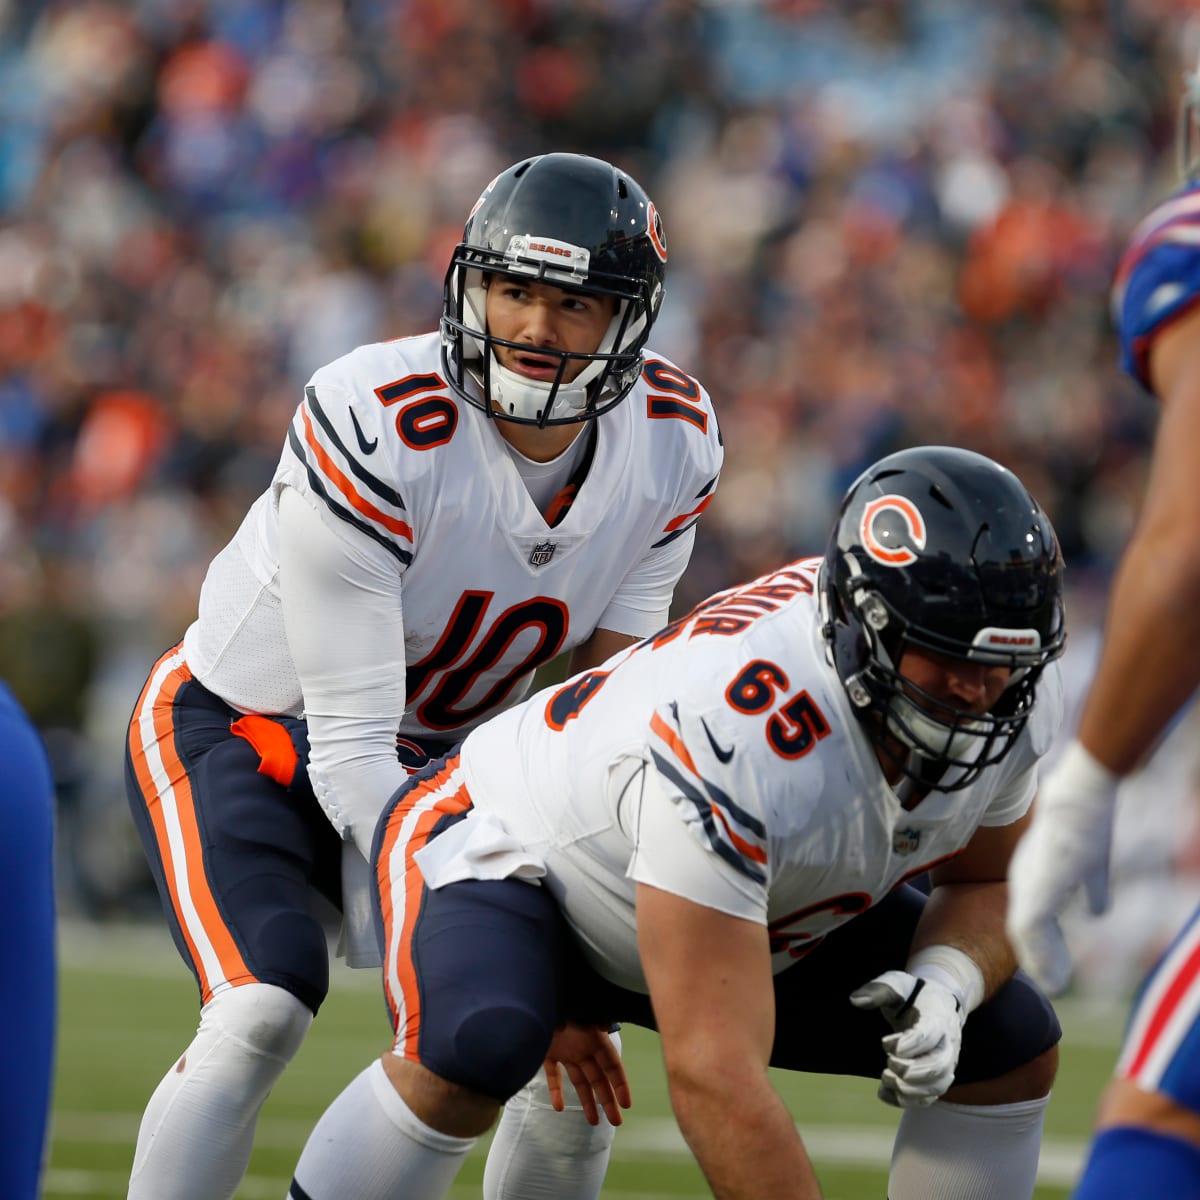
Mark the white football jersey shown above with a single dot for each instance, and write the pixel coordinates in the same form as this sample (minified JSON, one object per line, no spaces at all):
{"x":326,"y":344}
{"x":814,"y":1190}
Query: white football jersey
{"x":386,"y":452}
{"x":721,"y":760}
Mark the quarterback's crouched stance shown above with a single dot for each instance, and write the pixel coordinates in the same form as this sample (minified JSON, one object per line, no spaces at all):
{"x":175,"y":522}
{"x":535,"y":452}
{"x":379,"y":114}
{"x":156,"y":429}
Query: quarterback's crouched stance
{"x":712,"y":835}
{"x":450,"y":511}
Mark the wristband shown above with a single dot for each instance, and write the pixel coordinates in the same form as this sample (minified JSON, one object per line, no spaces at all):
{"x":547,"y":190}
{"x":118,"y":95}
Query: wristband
{"x":953,"y":969}
{"x":1087,"y":774}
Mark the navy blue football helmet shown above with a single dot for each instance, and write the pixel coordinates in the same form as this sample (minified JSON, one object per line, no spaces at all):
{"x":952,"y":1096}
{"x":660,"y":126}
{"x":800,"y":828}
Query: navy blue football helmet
{"x":575,"y":222}
{"x":943,"y":549}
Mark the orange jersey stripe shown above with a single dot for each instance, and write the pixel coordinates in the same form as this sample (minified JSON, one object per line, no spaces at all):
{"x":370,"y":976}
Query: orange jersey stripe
{"x":676,"y":522}
{"x":755,"y":853}
{"x":343,"y":485}
{"x":668,"y":735}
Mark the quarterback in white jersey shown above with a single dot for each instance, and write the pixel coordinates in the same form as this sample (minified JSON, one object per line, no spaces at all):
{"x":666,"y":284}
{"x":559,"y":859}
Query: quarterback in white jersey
{"x":712,"y":833}
{"x":450,"y":511}
{"x":492,"y":586}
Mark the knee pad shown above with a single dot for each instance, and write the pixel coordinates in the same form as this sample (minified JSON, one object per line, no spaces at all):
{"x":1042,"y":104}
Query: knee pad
{"x":490,"y":1038}
{"x":246,"y":1039}
{"x":1012,"y":1029}
{"x":497,"y":1050}
{"x":265,"y":1020}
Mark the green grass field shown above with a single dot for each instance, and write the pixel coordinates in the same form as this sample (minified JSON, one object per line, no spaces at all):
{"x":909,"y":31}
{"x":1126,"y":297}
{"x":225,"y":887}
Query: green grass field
{"x":127,"y":1007}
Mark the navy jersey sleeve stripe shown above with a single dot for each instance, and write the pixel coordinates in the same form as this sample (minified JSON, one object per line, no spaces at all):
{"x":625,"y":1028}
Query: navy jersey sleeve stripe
{"x":404,"y":557}
{"x":372,"y":482}
{"x":704,"y":811}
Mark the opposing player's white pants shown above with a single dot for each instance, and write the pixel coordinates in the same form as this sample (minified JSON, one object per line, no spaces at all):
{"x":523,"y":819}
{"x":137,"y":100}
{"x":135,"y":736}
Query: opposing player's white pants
{"x":198,"y":1128}
{"x":540,"y":1154}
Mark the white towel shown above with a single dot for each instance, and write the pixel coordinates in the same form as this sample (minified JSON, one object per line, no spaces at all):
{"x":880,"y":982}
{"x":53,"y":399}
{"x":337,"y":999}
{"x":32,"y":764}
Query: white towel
{"x":477,"y":847}
{"x":356,"y":942}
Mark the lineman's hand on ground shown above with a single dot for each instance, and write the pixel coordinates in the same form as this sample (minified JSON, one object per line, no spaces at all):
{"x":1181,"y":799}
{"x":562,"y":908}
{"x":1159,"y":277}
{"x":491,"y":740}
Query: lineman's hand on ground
{"x":594,"y":1068}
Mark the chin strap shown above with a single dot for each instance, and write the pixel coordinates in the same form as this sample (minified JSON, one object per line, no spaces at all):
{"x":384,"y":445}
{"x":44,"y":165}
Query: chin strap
{"x":920,"y":732}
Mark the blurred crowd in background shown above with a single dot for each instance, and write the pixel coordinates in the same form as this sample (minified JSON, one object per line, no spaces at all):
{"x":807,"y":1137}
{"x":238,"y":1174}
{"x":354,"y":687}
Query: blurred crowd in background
{"x":890,"y":222}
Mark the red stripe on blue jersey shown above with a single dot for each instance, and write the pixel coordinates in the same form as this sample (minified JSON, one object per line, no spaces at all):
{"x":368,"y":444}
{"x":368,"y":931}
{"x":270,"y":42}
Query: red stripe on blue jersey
{"x":1158,"y":278}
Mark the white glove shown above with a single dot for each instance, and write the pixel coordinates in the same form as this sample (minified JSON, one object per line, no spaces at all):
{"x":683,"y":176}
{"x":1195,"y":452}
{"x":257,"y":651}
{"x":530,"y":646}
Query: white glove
{"x":1067,"y":846}
{"x":923,"y":1052}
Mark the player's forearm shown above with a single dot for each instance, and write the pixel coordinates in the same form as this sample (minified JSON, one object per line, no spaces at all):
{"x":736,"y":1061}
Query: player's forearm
{"x":1146,"y":670}
{"x":1143,"y":677}
{"x":970,"y":918}
{"x":742,"y":1136}
{"x":354,"y":772}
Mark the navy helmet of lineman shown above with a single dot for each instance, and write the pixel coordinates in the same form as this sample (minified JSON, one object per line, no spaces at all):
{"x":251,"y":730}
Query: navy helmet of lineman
{"x":577,"y":223}
{"x":942,"y":549}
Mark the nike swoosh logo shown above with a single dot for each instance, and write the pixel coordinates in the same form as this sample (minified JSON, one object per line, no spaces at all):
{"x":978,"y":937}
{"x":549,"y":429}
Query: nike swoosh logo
{"x":722,"y":755}
{"x":365,"y":446}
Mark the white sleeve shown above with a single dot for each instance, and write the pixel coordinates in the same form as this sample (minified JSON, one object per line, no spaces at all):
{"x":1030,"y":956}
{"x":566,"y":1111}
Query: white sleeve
{"x":1013,"y":802}
{"x":642,"y":604}
{"x":341,"y":609}
{"x":668,"y":856}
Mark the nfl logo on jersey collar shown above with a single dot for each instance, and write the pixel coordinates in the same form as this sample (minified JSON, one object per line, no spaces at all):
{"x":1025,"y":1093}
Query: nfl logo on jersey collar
{"x":906,"y":841}
{"x":542,"y":553}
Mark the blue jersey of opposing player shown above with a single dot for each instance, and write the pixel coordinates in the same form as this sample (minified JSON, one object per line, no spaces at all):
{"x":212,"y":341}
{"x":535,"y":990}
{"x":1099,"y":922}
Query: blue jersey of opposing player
{"x":1158,"y":279}
{"x":27,"y":979}
{"x":1146,"y":1140}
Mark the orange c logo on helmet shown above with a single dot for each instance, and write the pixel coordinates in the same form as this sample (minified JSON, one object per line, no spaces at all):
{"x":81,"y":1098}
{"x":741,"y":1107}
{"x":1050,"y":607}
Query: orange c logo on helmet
{"x":892,"y":530}
{"x":658,"y":235}
{"x":487,"y":191}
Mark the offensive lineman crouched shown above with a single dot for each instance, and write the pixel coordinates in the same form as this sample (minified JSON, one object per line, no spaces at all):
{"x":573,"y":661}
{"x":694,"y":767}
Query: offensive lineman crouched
{"x":711,"y":835}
